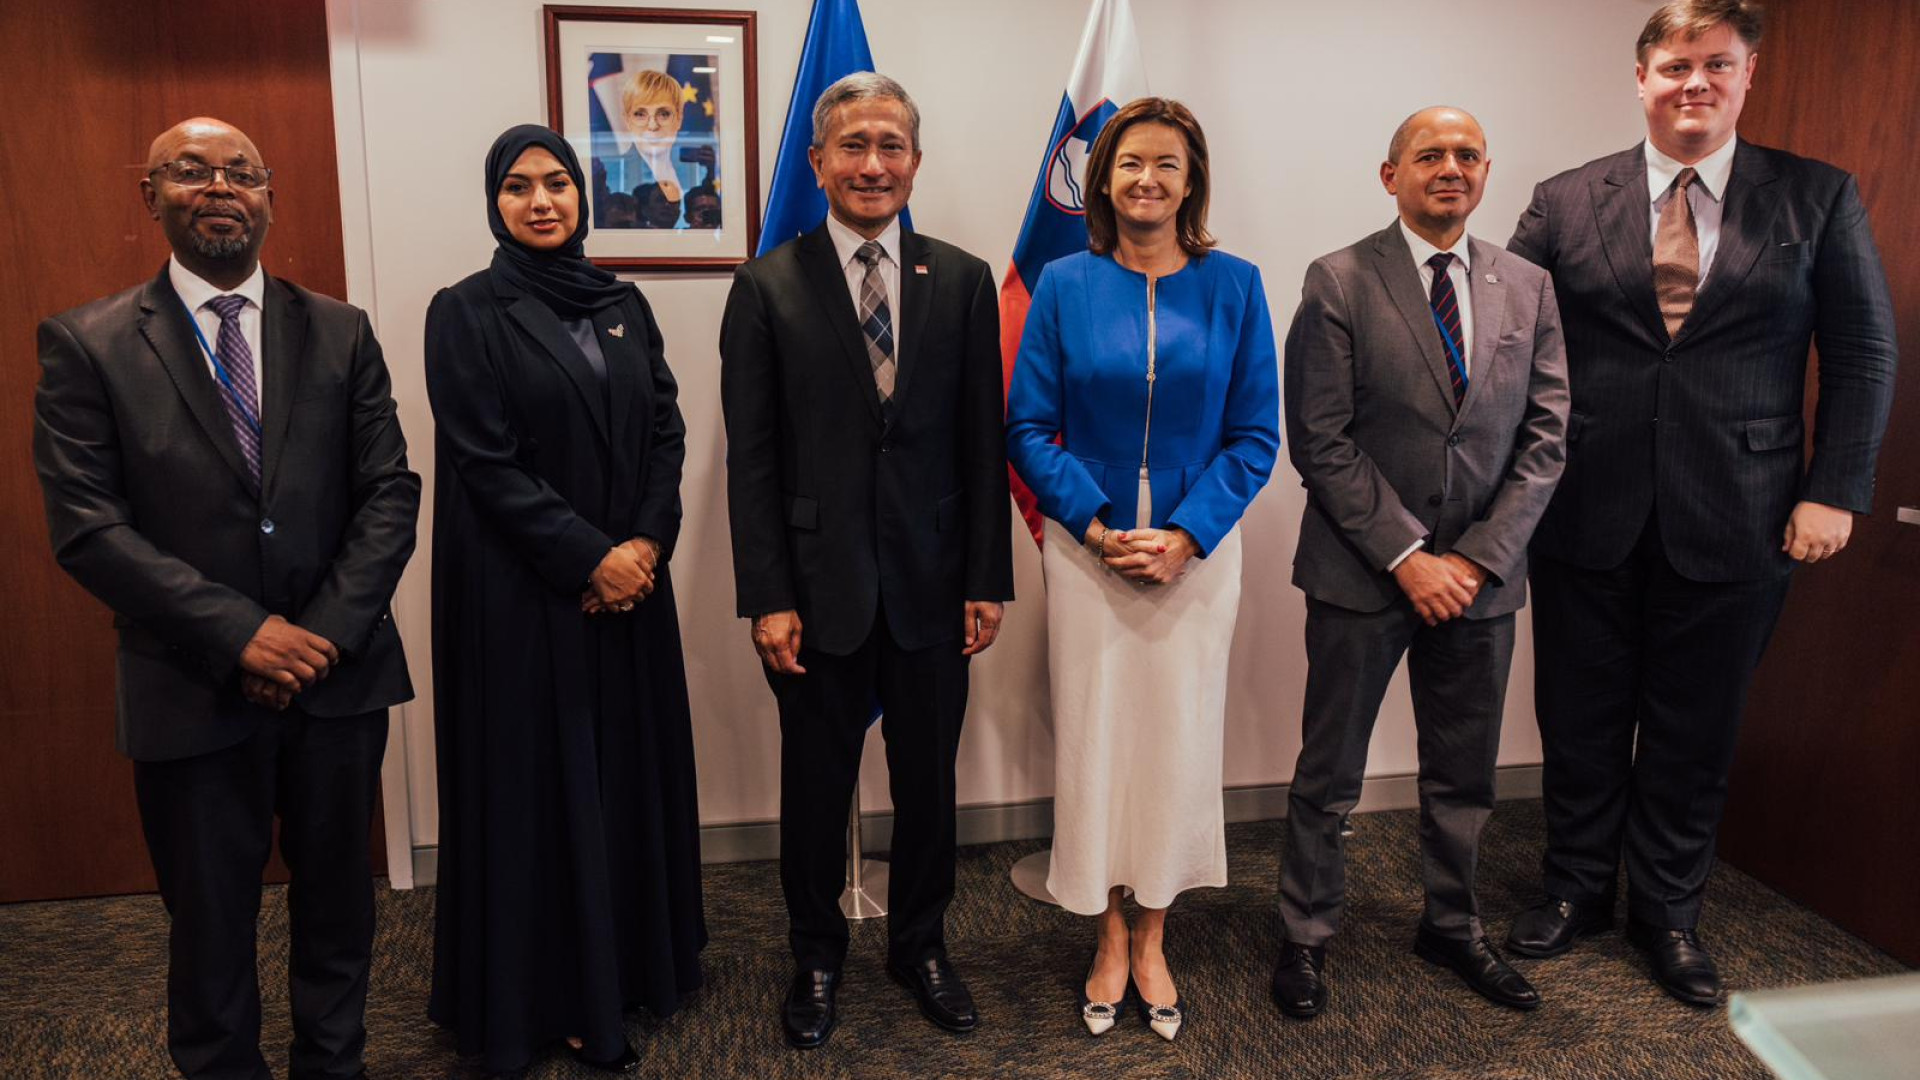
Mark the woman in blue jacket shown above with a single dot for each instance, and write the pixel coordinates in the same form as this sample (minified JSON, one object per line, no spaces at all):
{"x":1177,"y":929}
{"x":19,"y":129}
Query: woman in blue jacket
{"x":1144,"y":415}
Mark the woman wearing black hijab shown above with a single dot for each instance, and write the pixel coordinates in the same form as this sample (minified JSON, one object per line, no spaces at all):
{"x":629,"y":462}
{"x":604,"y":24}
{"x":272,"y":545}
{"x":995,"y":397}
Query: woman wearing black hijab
{"x":569,"y":883}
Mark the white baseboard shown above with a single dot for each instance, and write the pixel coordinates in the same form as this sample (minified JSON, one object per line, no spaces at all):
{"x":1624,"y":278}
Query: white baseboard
{"x":757,"y":840}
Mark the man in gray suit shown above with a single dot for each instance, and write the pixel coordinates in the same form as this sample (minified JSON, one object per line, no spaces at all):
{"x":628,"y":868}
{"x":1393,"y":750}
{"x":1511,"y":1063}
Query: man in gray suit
{"x":1426,"y":407}
{"x":1693,"y":270}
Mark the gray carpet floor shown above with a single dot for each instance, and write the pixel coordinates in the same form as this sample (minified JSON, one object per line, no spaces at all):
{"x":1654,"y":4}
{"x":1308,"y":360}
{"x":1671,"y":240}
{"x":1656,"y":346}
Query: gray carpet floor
{"x":82,"y":984}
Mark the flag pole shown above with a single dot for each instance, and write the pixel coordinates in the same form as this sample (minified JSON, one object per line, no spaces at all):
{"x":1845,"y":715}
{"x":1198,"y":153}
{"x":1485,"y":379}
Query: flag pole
{"x":864,"y":896}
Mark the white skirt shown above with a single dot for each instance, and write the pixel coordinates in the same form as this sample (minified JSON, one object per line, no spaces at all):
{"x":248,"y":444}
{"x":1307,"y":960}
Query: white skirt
{"x":1139,"y":679}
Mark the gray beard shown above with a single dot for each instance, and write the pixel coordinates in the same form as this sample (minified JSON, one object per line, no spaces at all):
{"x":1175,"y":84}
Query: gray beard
{"x":221,"y":248}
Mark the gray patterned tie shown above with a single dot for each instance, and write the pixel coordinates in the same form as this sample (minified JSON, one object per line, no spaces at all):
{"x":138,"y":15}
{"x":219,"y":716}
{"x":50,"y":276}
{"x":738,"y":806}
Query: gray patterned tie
{"x":876,"y":321}
{"x":240,"y":395}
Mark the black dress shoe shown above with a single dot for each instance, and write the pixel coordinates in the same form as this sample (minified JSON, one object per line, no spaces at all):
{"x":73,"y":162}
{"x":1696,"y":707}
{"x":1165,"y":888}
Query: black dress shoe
{"x":1680,"y":963}
{"x":1550,"y":928}
{"x":627,"y":1061}
{"x":808,"y":1014}
{"x":1299,"y":987}
{"x":941,"y":994}
{"x":1479,"y":967}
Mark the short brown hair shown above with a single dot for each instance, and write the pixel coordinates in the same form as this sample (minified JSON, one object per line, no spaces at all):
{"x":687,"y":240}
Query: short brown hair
{"x":1691,"y":18}
{"x":1191,"y":221}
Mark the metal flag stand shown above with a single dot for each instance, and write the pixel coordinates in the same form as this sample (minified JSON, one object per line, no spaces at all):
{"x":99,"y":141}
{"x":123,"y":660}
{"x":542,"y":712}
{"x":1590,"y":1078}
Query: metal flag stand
{"x":1030,"y":876}
{"x":866,"y":890}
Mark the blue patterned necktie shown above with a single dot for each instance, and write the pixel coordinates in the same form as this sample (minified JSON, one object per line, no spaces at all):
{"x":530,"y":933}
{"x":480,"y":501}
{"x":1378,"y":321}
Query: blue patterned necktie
{"x":876,"y":320}
{"x":240,"y":394}
{"x":1446,"y":316}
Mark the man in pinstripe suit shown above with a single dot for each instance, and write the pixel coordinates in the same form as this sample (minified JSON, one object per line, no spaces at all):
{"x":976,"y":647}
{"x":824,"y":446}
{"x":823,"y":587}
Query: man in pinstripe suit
{"x":1692,"y":272}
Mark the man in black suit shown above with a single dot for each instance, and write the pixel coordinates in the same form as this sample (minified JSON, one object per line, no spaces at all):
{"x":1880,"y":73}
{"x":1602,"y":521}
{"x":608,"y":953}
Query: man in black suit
{"x":223,"y":468}
{"x":867,"y":483}
{"x":1692,"y":272}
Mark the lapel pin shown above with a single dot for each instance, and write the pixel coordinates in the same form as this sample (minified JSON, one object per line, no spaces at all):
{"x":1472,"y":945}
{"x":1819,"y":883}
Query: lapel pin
{"x":1492,"y":279}
{"x":618,"y":331}
{"x":920,"y":268}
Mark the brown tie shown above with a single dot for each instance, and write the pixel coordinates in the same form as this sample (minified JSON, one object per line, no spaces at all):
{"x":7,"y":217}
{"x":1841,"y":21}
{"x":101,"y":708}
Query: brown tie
{"x":1676,"y":255}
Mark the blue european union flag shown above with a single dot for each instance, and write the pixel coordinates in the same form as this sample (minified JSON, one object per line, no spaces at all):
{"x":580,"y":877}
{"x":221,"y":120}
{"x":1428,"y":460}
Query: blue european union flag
{"x":836,"y":47}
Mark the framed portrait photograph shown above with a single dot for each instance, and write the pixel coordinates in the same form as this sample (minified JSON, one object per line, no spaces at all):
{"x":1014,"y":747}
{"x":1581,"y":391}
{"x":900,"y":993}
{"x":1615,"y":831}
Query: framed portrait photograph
{"x":660,"y":104}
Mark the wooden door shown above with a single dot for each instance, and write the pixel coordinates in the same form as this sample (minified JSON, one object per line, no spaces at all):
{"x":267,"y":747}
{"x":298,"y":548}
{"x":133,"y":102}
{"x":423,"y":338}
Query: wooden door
{"x":88,"y":86}
{"x":1825,"y":803}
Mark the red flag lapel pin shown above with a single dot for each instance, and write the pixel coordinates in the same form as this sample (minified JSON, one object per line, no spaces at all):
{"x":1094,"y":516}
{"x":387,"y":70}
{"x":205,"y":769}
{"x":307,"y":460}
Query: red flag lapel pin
{"x":920,"y":268}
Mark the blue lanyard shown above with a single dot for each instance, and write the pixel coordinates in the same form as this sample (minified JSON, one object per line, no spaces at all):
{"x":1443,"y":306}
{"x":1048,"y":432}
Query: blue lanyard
{"x":220,"y":372}
{"x":1446,"y":342}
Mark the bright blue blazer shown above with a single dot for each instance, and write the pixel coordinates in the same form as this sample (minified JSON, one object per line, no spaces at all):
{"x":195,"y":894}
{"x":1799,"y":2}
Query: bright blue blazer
{"x":1081,"y":375}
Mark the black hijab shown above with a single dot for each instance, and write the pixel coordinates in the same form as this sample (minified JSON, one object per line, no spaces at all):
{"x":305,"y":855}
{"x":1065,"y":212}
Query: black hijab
{"x":563,"y":279}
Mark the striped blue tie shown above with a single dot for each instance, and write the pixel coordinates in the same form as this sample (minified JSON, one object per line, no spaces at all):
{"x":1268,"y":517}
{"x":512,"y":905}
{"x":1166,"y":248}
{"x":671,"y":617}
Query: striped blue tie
{"x":1446,"y":315}
{"x":241,"y":396}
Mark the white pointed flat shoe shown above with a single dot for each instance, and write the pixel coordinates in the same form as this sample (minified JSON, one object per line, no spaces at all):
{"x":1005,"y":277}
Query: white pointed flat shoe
{"x":1099,"y":1016}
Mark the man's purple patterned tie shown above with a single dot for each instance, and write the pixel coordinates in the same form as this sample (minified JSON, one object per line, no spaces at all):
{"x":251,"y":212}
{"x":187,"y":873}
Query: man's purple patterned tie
{"x":242,"y":395}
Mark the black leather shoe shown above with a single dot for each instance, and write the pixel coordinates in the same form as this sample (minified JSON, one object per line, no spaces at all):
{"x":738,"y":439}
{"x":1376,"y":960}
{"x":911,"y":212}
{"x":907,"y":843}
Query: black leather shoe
{"x":1479,"y":967}
{"x":627,"y":1061}
{"x":1680,"y":963}
{"x":941,"y":994}
{"x":1550,"y":928}
{"x":808,"y":1014}
{"x":1299,"y":983}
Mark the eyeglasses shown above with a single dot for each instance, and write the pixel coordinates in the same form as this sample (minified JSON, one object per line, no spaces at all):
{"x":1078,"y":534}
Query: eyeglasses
{"x":199,"y":174}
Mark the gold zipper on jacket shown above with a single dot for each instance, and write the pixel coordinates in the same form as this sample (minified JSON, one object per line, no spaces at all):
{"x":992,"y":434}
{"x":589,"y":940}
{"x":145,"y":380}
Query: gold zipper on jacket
{"x":1146,"y":436}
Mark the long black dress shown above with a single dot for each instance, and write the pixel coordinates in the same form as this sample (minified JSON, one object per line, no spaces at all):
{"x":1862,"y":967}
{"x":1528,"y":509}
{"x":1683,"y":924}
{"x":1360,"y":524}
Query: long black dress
{"x":569,"y":887}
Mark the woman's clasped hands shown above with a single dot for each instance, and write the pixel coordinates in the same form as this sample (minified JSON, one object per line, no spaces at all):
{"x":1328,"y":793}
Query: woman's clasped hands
{"x":624,"y":577}
{"x":1148,"y":556}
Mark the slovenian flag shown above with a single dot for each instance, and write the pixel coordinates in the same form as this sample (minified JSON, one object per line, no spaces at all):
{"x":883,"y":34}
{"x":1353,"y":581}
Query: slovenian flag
{"x":835,"y":48}
{"x":1107,"y":73}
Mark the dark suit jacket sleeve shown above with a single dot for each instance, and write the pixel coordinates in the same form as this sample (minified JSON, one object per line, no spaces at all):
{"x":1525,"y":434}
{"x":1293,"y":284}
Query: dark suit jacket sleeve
{"x":1498,"y":541}
{"x":989,"y":574}
{"x":1249,"y":437}
{"x":1854,"y":333}
{"x":76,"y":451}
{"x":379,"y":537}
{"x":658,"y":514}
{"x":477,"y":441}
{"x":1340,"y":477}
{"x":750,"y":404}
{"x":1532,"y":238}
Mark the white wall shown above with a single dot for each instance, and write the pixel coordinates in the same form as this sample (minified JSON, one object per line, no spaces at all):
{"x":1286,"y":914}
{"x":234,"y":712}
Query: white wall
{"x":1298,"y":100}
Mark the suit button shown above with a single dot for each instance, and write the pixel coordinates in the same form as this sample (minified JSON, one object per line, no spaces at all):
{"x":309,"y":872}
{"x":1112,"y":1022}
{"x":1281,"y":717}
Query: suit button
{"x":1433,"y":500}
{"x":1453,"y":440}
{"x":267,"y":526}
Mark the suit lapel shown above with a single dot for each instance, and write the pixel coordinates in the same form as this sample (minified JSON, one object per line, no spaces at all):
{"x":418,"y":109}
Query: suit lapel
{"x":1746,"y":221}
{"x":283,"y":340}
{"x":164,"y":323}
{"x":1487,"y":292}
{"x":916,"y":297}
{"x":1621,"y":208}
{"x":821,"y":267}
{"x":626,"y":356}
{"x":543,"y":326}
{"x":1393,"y":260}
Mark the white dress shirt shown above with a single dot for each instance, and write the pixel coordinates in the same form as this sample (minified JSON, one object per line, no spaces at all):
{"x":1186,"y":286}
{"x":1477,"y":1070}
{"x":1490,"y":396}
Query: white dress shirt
{"x":1457,"y":272}
{"x":1707,"y":195}
{"x":846,"y":243}
{"x":196,"y":292}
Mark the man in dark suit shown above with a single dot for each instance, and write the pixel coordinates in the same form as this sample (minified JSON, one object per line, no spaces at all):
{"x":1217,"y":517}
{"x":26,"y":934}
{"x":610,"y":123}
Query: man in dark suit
{"x":1692,"y":271}
{"x":867,"y":482}
{"x":223,"y":468}
{"x":1426,"y":408}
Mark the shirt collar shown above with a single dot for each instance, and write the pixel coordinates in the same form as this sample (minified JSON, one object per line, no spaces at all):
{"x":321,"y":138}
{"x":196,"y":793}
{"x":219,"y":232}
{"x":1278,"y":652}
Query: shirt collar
{"x":1422,"y":251}
{"x":846,"y":242}
{"x":195,"y":290}
{"x":1711,"y":172}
